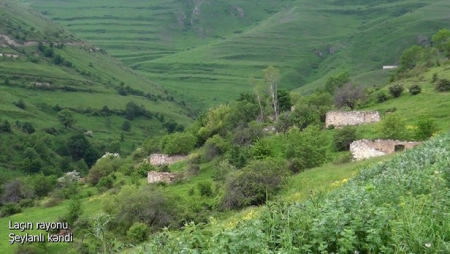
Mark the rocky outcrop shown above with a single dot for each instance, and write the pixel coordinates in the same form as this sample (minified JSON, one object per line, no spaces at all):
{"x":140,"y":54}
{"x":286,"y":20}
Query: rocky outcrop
{"x":364,"y":149}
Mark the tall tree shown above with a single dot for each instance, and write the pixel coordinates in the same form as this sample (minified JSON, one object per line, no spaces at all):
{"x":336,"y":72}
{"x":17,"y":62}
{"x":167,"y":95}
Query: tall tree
{"x":272,"y":78}
{"x":258,"y":91}
{"x":338,"y":81}
{"x":349,"y":95}
{"x":441,"y":42}
{"x":65,"y":116}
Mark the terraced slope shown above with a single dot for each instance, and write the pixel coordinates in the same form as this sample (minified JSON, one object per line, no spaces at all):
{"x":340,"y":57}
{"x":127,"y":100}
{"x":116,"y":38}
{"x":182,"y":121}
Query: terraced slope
{"x":44,"y":68}
{"x":205,"y":50}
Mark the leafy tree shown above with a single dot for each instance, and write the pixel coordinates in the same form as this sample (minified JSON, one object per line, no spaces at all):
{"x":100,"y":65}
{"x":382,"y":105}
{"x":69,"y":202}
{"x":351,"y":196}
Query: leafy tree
{"x":75,"y":209}
{"x":178,"y":143}
{"x":126,"y":126}
{"x":284,"y":100}
{"x":338,"y":81}
{"x":258,"y":90}
{"x":66,"y":118}
{"x":132,"y":111}
{"x":12,"y":192}
{"x":410,"y":57}
{"x":80,"y":148}
{"x":441,"y":41}
{"x":147,"y":205}
{"x":308,"y":146}
{"x":254,"y":184}
{"x":393,"y":127}
{"x":349,"y":95}
{"x":344,"y":137}
{"x":426,"y":127}
{"x":214,"y":122}
{"x":272,"y":78}
{"x":27,"y":127}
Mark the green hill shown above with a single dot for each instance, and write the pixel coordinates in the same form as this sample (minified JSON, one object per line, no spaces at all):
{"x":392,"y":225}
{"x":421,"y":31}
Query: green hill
{"x":208,"y":49}
{"x":45,"y":69}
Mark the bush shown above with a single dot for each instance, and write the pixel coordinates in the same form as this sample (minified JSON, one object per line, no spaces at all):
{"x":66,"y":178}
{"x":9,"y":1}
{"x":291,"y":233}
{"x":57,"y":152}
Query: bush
{"x":382,"y":96}
{"x":20,"y":104}
{"x":138,"y":232}
{"x":393,"y":127}
{"x":126,"y":126}
{"x":205,"y":188}
{"x":105,"y":183}
{"x":435,"y":78}
{"x":396,"y":90}
{"x":344,"y":137}
{"x":415,"y":89}
{"x":425,"y":128}
{"x":10,"y":209}
{"x":215,"y":146}
{"x":443,"y":85}
{"x":254,"y":184}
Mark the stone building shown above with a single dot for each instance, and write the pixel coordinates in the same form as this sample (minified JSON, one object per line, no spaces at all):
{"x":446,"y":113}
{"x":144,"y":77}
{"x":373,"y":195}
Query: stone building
{"x":156,"y":177}
{"x":158,"y":159}
{"x":364,"y":149}
{"x":343,"y":118}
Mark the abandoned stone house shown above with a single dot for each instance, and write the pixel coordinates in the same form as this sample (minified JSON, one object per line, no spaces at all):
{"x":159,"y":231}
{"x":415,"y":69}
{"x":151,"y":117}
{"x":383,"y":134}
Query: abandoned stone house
{"x":343,"y":118}
{"x":158,"y":159}
{"x":364,"y":149}
{"x":156,"y":177}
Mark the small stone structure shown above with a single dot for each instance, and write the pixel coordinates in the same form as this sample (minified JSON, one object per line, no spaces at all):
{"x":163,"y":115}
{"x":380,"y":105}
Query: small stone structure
{"x":158,"y":159}
{"x":388,"y":67}
{"x":156,"y":177}
{"x":343,"y":118}
{"x":9,"y":55}
{"x":364,"y":149}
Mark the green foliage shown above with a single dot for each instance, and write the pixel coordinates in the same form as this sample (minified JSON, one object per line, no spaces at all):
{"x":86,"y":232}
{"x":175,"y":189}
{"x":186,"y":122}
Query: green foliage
{"x":396,"y":90}
{"x":9,"y":209}
{"x":344,"y":137}
{"x":126,"y":126}
{"x":443,"y":85}
{"x":308,"y":147}
{"x":103,"y":167}
{"x":20,"y":104}
{"x":178,"y":143}
{"x":143,"y":204}
{"x":410,"y":58}
{"x":441,"y":41}
{"x":214,"y":122}
{"x":215,"y":146}
{"x":426,"y":127}
{"x":435,"y":78}
{"x":205,"y":188}
{"x":284,"y":100}
{"x":5,"y":127}
{"x":105,"y":183}
{"x":393,"y":127}
{"x":262,"y":149}
{"x":415,"y":89}
{"x":387,"y":208}
{"x":337,"y":81}
{"x":382,"y":96}
{"x":254,"y":184}
{"x":80,"y":148}
{"x":75,"y":210}
{"x":66,"y":118}
{"x":138,"y":233}
{"x":349,"y":95}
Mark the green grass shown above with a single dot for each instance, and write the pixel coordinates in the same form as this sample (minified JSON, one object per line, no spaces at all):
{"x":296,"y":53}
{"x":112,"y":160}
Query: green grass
{"x":206,"y":58}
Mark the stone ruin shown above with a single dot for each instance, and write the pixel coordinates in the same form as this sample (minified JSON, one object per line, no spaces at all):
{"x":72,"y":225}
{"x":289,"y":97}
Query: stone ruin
{"x":158,"y":159}
{"x":343,"y":118}
{"x":156,"y":177}
{"x":364,"y":149}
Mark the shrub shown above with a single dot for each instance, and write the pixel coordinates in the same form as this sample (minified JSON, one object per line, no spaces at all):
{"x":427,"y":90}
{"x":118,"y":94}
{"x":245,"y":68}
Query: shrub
{"x":262,"y":149}
{"x":205,"y":188}
{"x":215,"y":146}
{"x":435,"y":78}
{"x":393,"y":127}
{"x":382,"y":96}
{"x":343,"y":137}
{"x":52,"y":202}
{"x":425,"y":128}
{"x":415,"y":89}
{"x":178,"y":143}
{"x":396,"y":90}
{"x":443,"y":85}
{"x":309,"y":145}
{"x":126,"y":126}
{"x":20,"y":104}
{"x":105,"y":183}
{"x":10,"y":209}
{"x":254,"y":184}
{"x":138,"y":232}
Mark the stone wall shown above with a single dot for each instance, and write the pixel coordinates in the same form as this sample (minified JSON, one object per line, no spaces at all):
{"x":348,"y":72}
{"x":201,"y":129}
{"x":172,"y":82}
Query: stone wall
{"x":158,"y":159}
{"x":364,"y":149}
{"x":343,"y":118}
{"x":156,"y":177}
